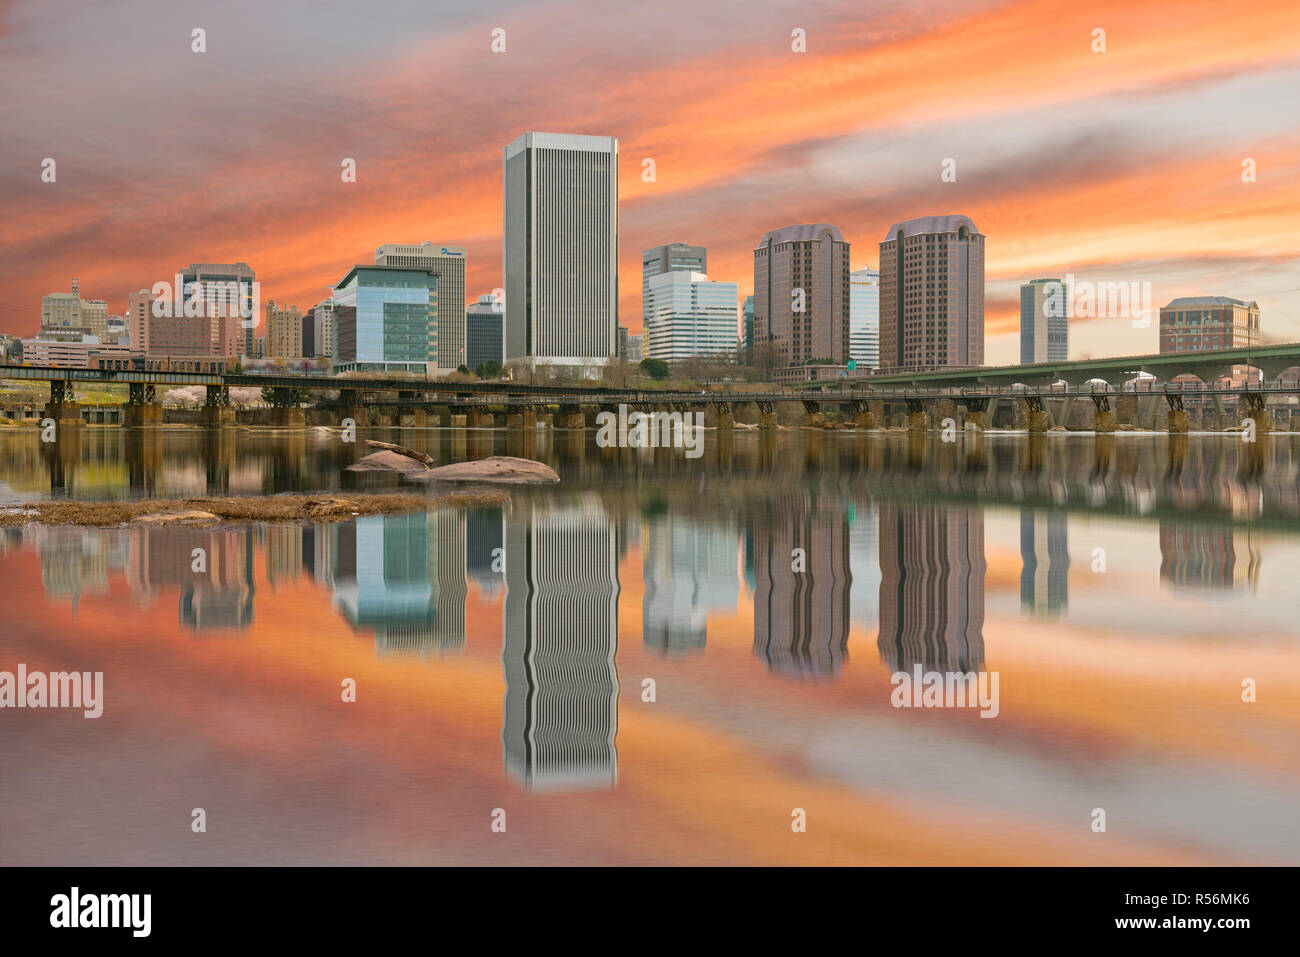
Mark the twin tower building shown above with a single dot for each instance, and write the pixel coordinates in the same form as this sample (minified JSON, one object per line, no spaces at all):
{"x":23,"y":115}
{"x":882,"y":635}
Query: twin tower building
{"x":560,"y":261}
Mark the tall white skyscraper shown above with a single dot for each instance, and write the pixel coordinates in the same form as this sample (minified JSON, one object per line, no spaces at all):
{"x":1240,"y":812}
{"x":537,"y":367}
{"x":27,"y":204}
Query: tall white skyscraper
{"x":687,"y":314}
{"x":560,"y":249}
{"x":864,"y":318}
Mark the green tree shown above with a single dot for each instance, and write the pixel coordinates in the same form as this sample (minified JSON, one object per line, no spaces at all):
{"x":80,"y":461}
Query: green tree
{"x":488,"y":370}
{"x":655,"y":368}
{"x":462,"y":369}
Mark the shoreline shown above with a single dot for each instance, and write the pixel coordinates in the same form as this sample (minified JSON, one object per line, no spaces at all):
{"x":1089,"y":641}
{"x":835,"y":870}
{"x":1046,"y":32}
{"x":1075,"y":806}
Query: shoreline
{"x":327,"y":507}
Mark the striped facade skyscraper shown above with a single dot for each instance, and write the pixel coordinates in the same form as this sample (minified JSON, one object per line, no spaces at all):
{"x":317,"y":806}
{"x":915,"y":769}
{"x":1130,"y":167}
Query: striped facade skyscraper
{"x":560,"y":249}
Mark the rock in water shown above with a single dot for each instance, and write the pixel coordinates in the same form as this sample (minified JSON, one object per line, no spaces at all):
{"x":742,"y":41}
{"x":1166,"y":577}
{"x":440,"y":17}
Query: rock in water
{"x":496,"y":468}
{"x":189,"y":516}
{"x":387,"y":461}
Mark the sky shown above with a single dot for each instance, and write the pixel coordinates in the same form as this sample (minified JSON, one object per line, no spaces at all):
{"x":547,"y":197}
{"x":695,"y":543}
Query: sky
{"x":1117,"y":165}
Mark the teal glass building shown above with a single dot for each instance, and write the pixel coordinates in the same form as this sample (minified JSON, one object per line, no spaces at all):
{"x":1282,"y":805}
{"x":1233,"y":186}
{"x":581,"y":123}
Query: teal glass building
{"x":386,"y":320}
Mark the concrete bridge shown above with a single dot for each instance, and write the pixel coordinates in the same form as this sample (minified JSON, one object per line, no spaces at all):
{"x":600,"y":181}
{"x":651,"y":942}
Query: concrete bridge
{"x":970,"y":397}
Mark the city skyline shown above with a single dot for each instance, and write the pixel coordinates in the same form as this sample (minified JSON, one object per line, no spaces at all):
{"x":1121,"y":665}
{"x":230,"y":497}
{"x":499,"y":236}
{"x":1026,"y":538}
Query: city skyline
{"x":1031,"y":168}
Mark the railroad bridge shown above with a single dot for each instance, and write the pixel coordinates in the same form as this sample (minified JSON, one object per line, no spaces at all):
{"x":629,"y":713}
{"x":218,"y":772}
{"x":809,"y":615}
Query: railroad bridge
{"x":973,"y":394}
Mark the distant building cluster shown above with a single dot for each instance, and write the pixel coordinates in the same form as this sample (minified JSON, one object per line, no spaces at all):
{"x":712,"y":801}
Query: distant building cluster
{"x":811,"y":315}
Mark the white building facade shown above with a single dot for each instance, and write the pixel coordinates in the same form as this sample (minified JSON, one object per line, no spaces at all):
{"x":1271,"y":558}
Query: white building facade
{"x":688,"y":314}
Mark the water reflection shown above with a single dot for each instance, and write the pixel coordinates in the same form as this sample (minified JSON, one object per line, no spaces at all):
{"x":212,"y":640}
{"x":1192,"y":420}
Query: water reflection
{"x":1123,"y":589}
{"x":802,"y":582}
{"x":558,"y":648}
{"x":403,"y":578}
{"x":931,"y":588}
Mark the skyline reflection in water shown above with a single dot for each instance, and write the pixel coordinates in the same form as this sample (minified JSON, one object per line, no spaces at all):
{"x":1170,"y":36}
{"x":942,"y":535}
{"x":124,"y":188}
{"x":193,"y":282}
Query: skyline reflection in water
{"x":1122,"y":593}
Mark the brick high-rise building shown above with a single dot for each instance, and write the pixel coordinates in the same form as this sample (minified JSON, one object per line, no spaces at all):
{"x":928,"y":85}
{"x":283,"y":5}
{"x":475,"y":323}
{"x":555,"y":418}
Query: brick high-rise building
{"x":801,"y":294}
{"x":283,"y":331}
{"x":932,"y":295}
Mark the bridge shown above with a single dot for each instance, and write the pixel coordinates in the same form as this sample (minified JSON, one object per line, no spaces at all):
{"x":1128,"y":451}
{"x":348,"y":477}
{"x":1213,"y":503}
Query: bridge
{"x":969,"y":396}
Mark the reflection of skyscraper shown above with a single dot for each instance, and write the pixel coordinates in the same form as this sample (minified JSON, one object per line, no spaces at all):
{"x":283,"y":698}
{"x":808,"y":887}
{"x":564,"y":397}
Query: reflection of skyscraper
{"x":689,"y":568}
{"x":216,"y":587}
{"x":76,"y":561}
{"x":283,"y":553}
{"x":931,"y":588}
{"x":864,"y":566}
{"x":483,"y":536}
{"x":801,"y":618}
{"x":561,"y":633}
{"x":403,"y":576}
{"x":1199,"y":557}
{"x":1044,"y":589}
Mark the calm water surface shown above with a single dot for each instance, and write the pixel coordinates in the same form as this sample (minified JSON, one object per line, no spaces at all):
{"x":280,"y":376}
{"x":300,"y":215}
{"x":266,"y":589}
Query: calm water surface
{"x":1121,"y":589}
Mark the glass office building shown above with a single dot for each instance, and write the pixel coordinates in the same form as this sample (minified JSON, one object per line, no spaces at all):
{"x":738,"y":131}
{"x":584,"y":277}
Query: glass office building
{"x":687,"y":314}
{"x":386,"y":320}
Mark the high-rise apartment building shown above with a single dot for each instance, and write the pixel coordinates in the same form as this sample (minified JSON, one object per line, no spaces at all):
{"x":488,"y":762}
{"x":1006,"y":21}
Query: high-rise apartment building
{"x":318,"y":330}
{"x":801,"y":294}
{"x":932,"y":294}
{"x":283,"y":331}
{"x":687,"y":314}
{"x":864,"y":318}
{"x":448,"y":264}
{"x":139,"y":319}
{"x":1044,"y":322}
{"x":560,"y":249}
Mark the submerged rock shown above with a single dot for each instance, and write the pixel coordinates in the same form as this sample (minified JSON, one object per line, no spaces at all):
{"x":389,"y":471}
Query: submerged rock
{"x":189,"y":516}
{"x":496,"y":468}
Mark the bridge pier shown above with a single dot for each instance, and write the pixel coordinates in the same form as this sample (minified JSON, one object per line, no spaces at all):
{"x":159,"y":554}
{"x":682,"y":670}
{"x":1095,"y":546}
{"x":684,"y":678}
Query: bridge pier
{"x":571,"y":417}
{"x":863,"y":417}
{"x":141,"y":406}
{"x":520,"y":417}
{"x":726,"y":416}
{"x":419,"y":418}
{"x":351,"y":407}
{"x":407,"y":408}
{"x":814,"y":418}
{"x":918,"y":420}
{"x":1106,"y":420}
{"x":976,"y":418}
{"x":766,"y":416}
{"x":1178,"y":424}
{"x":145,"y":413}
{"x":1253,"y":408}
{"x":216,"y":411}
{"x":1036,"y":416}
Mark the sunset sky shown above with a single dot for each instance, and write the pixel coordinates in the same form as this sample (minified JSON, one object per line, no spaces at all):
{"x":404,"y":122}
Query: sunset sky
{"x":1117,"y":166}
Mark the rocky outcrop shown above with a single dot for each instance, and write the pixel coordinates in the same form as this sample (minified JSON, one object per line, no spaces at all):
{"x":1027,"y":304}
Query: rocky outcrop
{"x":387,"y":461}
{"x":497,"y":468}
